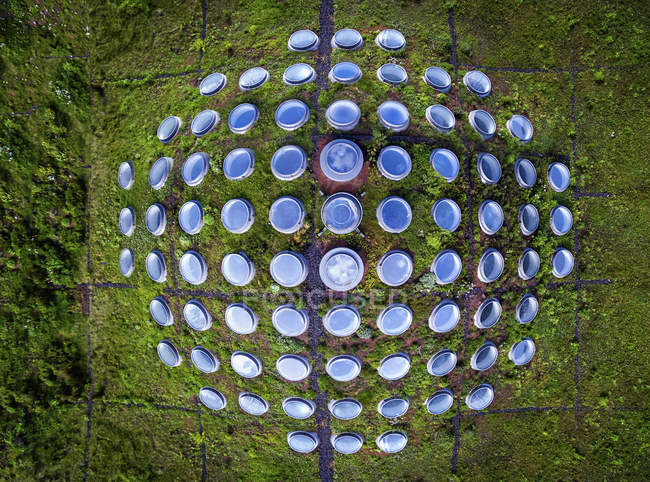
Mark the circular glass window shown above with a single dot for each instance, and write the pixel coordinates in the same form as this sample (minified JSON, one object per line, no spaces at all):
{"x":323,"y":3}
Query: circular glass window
{"x":440,"y":402}
{"x":237,"y":216}
{"x":488,"y":313}
{"x":156,"y":266}
{"x":528,"y":265}
{"x":341,"y":269}
{"x":558,"y":176}
{"x":289,"y":269}
{"x":561,"y":220}
{"x":125,"y":175}
{"x":562,"y":262}
{"x":347,"y":442}
{"x":394,"y":367}
{"x":341,"y":160}
{"x":490,"y":266}
{"x":478,"y":83}
{"x":302,"y":442}
{"x":212,"y":84}
{"x":241,"y":319}
{"x":168,"y":353}
{"x":393,"y":116}
{"x":480,"y":397}
{"x":242,"y":118}
{"x":490,"y":216}
{"x":126,"y":262}
{"x":239,"y":164}
{"x":345,"y":73}
{"x":392,"y":74}
{"x":446,"y":214}
{"x":394,"y":214}
{"x":204,"y":122}
{"x":392,"y":442}
{"x":395,"y":268}
{"x":290,"y":321}
{"x":528,"y":219}
{"x":483,"y":123}
{"x":169,"y":128}
{"x":393,"y":407}
{"x":442,"y":363}
{"x":395,"y":319}
{"x":253,"y":404}
{"x":291,"y":114}
{"x":193,"y":268}
{"x":394,"y":163}
{"x":204,"y":360}
{"x":446,"y":266}
{"x":298,"y":408}
{"x":345,"y":409}
{"x":445,"y":163}
{"x":444,"y":317}
{"x":525,"y":173}
{"x":522,"y":352}
{"x":343,"y":115}
{"x":520,"y":128}
{"x":126,"y":221}
{"x":237,"y":268}
{"x":347,"y":39}
{"x":298,"y":74}
{"x":161,"y":312}
{"x":155,"y":219}
{"x":303,"y":41}
{"x":212,"y":398}
{"x":343,"y":368}
{"x":441,"y":118}
{"x":342,"y":320}
{"x":159,"y":172}
{"x":287,"y":214}
{"x":197,"y":316}
{"x":289,"y":162}
{"x":245,"y":364}
{"x":484,"y":357}
{"x":190,"y":217}
{"x":293,"y":368}
{"x":195,"y":168}
{"x":438,"y":78}
{"x":390,"y":40}
{"x":527,"y":309}
{"x":253,"y":78}
{"x":341,"y":213}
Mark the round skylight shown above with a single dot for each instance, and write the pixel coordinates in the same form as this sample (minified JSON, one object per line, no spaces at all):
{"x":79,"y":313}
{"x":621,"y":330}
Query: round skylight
{"x":289,"y":269}
{"x":240,"y":318}
{"x":440,"y":117}
{"x":394,"y":163}
{"x":253,"y":78}
{"x":341,"y":213}
{"x":342,"y":320}
{"x":484,"y":357}
{"x":490,"y":216}
{"x":528,"y":219}
{"x":392,"y":441}
{"x":392,"y":74}
{"x":527,"y":309}
{"x":528,"y":264}
{"x":291,"y":114}
{"x":446,"y":266}
{"x":245,"y":364}
{"x":302,"y":442}
{"x":395,"y":319}
{"x":446,"y":214}
{"x":127,"y":221}
{"x":193,"y":267}
{"x":488,"y":313}
{"x":125,"y":175}
{"x":393,"y":407}
{"x":237,"y":215}
{"x":440,"y":402}
{"x":204,"y":360}
{"x":169,"y":128}
{"x":341,"y":160}
{"x":341,"y":269}
{"x":293,"y":367}
{"x":390,"y":40}
{"x":168,"y":353}
{"x":155,"y":219}
{"x":204,"y":122}
{"x":161,"y":312}
{"x":195,"y":168}
{"x":212,"y":84}
{"x":393,"y":115}
{"x":522,"y":352}
{"x":190,"y":217}
{"x":490,"y":266}
{"x":480,"y":397}
{"x":159,"y":172}
{"x":561,"y":220}
{"x":347,"y":39}
{"x":558,"y":176}
{"x":343,"y":115}
{"x":237,"y":268}
{"x":345,"y":73}
{"x":298,"y":74}
{"x":445,"y":316}
{"x":483,"y":123}
{"x":212,"y":398}
{"x":438,"y":78}
{"x":126,"y":262}
{"x":298,"y":408}
{"x":197,"y":316}
{"x":478,"y":83}
{"x":156,"y":266}
{"x":343,"y":368}
{"x":525,"y":173}
{"x":442,"y":363}
{"x":303,"y":41}
{"x":395,"y":268}
{"x":562,"y":262}
{"x":290,"y":321}
{"x":520,"y":128}
{"x":445,"y":163}
{"x":345,"y":409}
{"x":242,"y":118}
{"x":289,"y":162}
{"x":394,"y":367}
{"x":347,"y":442}
{"x":239,"y":164}
{"x":287,"y":214}
{"x":394,"y":214}
{"x":252,"y":403}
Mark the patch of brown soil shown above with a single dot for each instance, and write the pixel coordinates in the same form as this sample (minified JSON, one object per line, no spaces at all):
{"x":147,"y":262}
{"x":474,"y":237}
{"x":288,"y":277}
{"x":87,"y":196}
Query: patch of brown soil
{"x":329,"y":186}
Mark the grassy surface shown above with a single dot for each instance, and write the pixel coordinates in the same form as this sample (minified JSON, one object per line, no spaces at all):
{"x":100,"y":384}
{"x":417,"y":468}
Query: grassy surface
{"x":52,"y":204}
